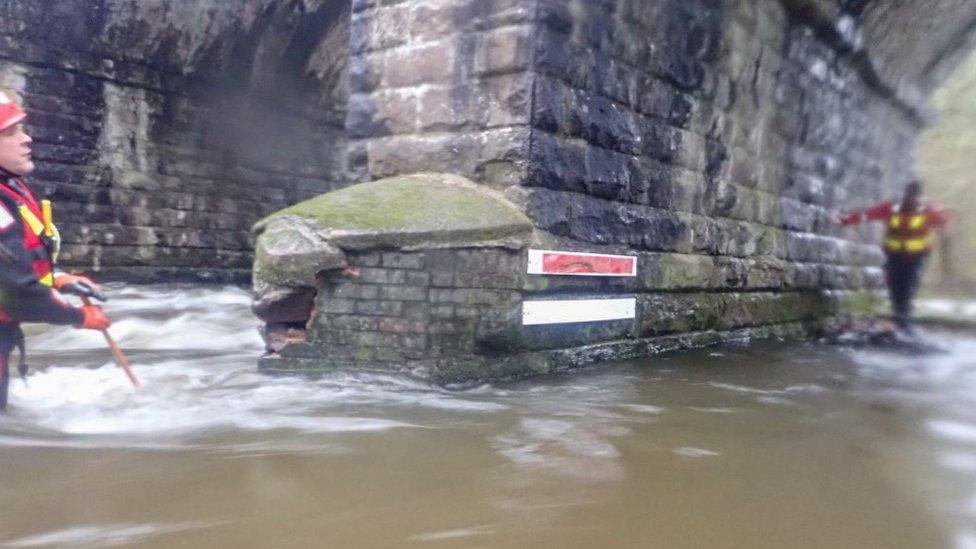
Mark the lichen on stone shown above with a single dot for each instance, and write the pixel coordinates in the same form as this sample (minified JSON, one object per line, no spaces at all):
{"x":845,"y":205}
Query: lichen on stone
{"x":290,"y":253}
{"x":417,"y":211}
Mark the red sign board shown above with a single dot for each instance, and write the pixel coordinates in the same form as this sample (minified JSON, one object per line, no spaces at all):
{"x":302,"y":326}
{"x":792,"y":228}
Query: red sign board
{"x":548,"y":262}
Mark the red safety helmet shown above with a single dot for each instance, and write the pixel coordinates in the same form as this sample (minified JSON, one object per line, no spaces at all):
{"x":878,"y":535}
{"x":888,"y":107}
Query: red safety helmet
{"x":10,"y":111}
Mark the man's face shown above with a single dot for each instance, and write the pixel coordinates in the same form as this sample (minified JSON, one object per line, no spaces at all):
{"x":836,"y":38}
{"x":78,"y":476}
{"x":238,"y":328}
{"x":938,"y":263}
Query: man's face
{"x":15,"y":153}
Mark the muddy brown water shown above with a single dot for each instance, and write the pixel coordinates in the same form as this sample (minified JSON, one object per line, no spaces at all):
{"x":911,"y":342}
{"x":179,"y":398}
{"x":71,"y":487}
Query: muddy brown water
{"x":768,"y":444}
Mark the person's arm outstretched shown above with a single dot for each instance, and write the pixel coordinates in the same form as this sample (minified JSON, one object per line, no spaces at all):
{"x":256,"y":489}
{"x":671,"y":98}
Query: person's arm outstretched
{"x":878,"y":212}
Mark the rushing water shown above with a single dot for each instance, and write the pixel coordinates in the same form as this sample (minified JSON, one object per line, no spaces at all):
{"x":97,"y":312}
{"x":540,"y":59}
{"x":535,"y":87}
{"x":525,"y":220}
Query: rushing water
{"x":765,"y":445}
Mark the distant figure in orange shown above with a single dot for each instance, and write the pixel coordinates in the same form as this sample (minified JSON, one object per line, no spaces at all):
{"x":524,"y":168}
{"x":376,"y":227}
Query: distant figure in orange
{"x":907,"y":244}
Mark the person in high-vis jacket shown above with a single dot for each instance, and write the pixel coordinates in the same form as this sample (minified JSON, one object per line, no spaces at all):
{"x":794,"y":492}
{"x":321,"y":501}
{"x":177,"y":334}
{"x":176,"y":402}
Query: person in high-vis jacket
{"x":911,"y":225}
{"x":30,"y":291}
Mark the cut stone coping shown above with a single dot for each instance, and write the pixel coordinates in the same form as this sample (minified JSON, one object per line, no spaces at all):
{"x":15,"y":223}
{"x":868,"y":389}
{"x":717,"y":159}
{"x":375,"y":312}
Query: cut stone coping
{"x":410,"y":212}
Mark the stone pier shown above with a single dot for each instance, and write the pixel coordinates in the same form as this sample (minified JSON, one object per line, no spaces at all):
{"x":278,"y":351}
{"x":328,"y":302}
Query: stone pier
{"x":710,"y":141}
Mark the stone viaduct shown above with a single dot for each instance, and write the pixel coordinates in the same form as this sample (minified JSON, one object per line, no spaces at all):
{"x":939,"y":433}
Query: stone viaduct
{"x":710,"y":138}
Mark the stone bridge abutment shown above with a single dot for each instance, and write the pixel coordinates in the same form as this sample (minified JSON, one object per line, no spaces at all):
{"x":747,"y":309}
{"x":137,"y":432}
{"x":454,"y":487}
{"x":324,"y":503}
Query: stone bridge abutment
{"x":710,"y":139}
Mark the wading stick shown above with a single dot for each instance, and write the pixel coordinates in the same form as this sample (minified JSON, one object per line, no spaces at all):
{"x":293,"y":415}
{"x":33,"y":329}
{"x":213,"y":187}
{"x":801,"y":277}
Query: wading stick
{"x":120,"y":359}
{"x":117,"y":352}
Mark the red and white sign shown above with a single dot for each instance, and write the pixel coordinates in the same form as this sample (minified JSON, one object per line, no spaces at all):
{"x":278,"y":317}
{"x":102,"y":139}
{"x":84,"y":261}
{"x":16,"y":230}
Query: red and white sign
{"x":549,"y":262}
{"x":577,"y":310}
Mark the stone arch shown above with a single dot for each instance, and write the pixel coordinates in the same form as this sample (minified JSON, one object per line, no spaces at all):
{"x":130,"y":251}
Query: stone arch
{"x":165,"y":129}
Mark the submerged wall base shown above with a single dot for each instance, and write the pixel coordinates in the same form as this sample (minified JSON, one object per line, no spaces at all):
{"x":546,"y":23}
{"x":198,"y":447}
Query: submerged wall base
{"x":464,"y":370}
{"x":455,"y":316}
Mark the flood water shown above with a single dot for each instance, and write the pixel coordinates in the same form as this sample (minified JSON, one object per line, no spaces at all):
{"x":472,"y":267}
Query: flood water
{"x":760,"y":445}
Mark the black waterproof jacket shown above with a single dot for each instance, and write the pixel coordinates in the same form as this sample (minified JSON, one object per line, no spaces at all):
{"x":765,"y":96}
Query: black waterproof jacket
{"x":23,"y":297}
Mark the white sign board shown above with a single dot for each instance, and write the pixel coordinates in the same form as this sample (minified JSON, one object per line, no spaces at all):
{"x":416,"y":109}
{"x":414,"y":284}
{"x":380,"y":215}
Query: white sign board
{"x":577,"y":310}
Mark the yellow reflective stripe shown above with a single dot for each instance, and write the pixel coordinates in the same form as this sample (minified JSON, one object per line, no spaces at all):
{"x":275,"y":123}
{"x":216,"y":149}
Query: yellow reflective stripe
{"x":895,"y":221}
{"x":48,"y":279}
{"x":36,"y":225}
{"x":48,"y":217}
{"x":912,"y":245}
{"x":916,"y":221}
{"x":918,"y":244}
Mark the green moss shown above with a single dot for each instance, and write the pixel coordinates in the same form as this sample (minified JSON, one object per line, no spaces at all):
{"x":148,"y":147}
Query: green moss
{"x":364,"y":353}
{"x":862,"y":303}
{"x":683,"y":271}
{"x":537,"y":283}
{"x":431,"y":204}
{"x":768,"y":243}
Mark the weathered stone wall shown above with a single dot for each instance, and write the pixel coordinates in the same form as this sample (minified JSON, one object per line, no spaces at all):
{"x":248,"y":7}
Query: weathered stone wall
{"x":428,"y":274}
{"x":415,"y":311}
{"x":441,"y":85}
{"x":717,"y":137}
{"x":164,"y":129}
{"x":454,"y":316}
{"x":723,"y":130}
{"x":713,"y":139}
{"x":727,"y":131}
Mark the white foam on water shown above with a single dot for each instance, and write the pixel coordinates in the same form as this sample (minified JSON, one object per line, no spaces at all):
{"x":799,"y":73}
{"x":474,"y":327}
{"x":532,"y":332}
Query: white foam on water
{"x":453,"y":534}
{"x":180,"y":398}
{"x":810,"y":388}
{"x":955,"y":307}
{"x":953,"y":370}
{"x":692,"y":452}
{"x":164,"y":317}
{"x":643,"y":408}
{"x":953,"y":430}
{"x":964,"y":462}
{"x":966,"y":540}
{"x":195,"y":352}
{"x":775,"y":401}
{"x":707,"y":410}
{"x":579,"y":449}
{"x":24,"y":441}
{"x":104,"y":535}
{"x":743,"y":389}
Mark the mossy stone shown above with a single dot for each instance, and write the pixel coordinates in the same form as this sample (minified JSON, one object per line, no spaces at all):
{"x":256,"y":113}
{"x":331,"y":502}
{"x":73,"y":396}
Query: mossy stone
{"x":425,"y":210}
{"x":289,"y":254}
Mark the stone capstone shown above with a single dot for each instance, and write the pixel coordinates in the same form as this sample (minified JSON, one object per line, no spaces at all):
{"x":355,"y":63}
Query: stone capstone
{"x":420,"y":211}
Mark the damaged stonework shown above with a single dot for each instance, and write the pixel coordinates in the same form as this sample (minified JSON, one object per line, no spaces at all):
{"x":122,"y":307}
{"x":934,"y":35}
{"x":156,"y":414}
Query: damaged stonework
{"x":363,"y":276}
{"x":290,"y":254}
{"x":427,"y":274}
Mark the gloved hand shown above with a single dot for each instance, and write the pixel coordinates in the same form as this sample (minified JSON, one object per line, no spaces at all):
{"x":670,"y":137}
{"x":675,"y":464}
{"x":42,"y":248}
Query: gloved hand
{"x":78,"y":285}
{"x":95,"y":318}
